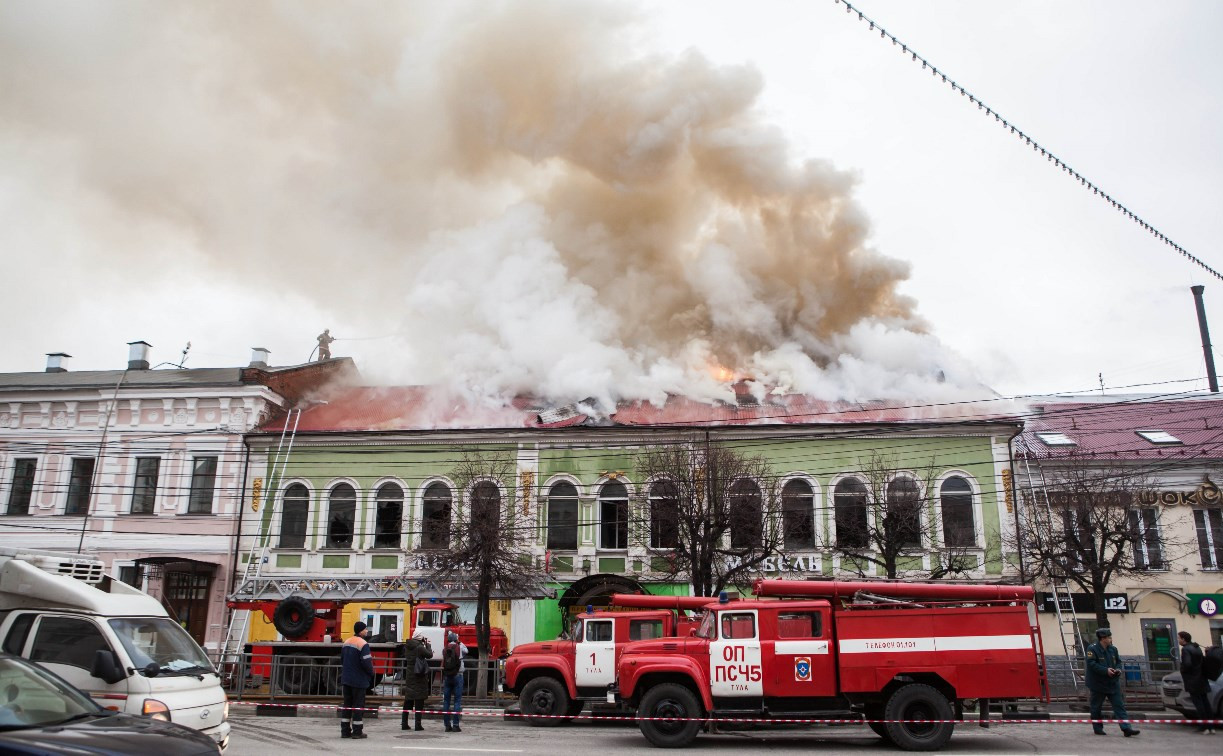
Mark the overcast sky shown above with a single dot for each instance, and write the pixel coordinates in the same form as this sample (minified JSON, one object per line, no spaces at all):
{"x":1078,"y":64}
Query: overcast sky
{"x":129,"y":210}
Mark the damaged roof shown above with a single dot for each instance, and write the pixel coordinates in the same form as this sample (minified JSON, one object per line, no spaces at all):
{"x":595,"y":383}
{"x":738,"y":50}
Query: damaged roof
{"x":417,"y":408}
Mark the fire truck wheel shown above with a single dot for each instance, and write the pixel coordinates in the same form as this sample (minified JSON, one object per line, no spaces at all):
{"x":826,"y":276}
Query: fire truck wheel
{"x":294,"y":616}
{"x":879,"y":728}
{"x":670,"y":715}
{"x":296,"y":674}
{"x":912,"y":712}
{"x":544,"y":702}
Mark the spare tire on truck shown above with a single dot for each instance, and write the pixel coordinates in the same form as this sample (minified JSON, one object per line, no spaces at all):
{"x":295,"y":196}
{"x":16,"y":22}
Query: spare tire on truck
{"x":293,"y":617}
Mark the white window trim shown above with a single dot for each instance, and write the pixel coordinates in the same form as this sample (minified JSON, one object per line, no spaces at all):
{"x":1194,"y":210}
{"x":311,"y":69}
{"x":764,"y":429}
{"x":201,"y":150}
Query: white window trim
{"x":418,"y":509}
{"x":277,"y":522}
{"x":818,"y":536}
{"x":325,"y":512}
{"x":630,"y":492}
{"x":544,"y":503}
{"x":371,"y":513}
{"x":978,"y":527}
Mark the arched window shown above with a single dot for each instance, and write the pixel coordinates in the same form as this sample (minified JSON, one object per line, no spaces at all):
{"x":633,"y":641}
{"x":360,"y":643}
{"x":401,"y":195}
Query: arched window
{"x":664,"y":515}
{"x":563,"y":517}
{"x":435,"y":517}
{"x":294,"y":509}
{"x":388,"y":516}
{"x":958,"y":526}
{"x":797,"y":515}
{"x":485,"y":512}
{"x":613,"y":516}
{"x":849,"y":503}
{"x":744,"y":507}
{"x":902,"y":523}
{"x":341,"y":516}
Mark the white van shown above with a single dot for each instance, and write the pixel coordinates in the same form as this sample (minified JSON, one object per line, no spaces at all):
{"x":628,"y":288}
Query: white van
{"x":109,"y":640}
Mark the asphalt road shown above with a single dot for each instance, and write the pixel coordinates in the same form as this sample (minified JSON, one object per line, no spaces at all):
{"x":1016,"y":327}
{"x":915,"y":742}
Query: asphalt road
{"x":267,"y":736}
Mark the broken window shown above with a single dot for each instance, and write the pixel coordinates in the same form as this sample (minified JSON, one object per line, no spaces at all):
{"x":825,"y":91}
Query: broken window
{"x":435,"y":517}
{"x":849,"y":503}
{"x":341,"y":516}
{"x":388,"y":515}
{"x":294,"y":510}
{"x":797,"y":515}
{"x":563,"y":517}
{"x":613,"y":516}
{"x":745,"y":514}
{"x":664,"y":515}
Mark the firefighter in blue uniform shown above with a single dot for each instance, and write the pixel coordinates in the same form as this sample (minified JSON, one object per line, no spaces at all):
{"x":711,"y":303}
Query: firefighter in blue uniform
{"x":1104,"y":681}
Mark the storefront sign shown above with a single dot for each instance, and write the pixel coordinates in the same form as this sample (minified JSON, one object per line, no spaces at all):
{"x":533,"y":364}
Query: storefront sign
{"x":1206,"y":494}
{"x":1205,"y":604}
{"x":1085,"y":603}
{"x":786,"y":563}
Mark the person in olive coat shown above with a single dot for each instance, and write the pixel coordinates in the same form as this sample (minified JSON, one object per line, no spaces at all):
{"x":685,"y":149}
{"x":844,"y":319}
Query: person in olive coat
{"x":1104,"y":681}
{"x":1194,"y":679}
{"x":416,"y":687}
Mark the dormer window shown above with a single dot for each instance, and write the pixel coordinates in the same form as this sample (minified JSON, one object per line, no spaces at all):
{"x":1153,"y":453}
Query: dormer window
{"x":1049,"y":438}
{"x":1159,"y":437}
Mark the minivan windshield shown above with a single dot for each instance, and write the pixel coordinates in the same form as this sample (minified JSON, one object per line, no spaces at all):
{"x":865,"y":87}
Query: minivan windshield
{"x":32,"y":697}
{"x":160,"y":641}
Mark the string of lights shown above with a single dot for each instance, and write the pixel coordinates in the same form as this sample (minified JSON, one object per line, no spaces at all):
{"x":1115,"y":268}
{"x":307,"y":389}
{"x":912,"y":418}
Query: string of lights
{"x":1027,"y":139}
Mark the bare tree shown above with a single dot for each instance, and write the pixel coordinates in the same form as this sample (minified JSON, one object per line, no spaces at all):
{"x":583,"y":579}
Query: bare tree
{"x":489,"y":545}
{"x":1087,"y":525}
{"x":706,"y":513}
{"x":883,"y":518}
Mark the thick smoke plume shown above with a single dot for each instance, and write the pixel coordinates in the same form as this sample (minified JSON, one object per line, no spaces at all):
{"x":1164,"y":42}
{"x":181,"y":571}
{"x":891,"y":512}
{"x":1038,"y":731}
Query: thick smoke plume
{"x":530,"y":199}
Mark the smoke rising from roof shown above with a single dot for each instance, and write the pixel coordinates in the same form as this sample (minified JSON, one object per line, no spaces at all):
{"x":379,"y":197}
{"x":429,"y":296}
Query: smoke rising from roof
{"x":534,"y":201}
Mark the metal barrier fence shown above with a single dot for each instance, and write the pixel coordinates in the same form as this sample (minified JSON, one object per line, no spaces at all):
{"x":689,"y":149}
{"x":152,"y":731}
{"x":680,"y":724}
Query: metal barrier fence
{"x":1140,"y":676}
{"x":297,"y":675}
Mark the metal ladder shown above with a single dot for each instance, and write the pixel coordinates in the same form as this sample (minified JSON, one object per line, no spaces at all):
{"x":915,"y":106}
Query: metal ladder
{"x":256,"y":557}
{"x":1063,"y":601}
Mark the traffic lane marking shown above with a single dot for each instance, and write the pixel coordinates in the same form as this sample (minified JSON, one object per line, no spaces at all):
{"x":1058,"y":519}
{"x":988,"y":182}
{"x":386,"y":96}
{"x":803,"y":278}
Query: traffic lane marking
{"x":465,"y":750}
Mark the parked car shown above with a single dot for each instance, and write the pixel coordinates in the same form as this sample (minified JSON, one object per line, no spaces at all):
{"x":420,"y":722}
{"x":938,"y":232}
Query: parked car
{"x":42,"y":714}
{"x":1175,"y":697}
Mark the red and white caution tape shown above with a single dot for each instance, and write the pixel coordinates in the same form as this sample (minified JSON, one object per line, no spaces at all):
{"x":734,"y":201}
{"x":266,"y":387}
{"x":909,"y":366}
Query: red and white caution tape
{"x":738,"y":720}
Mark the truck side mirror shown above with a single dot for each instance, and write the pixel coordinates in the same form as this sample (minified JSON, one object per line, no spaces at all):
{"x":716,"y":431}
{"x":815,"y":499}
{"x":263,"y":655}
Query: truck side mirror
{"x":106,"y":667}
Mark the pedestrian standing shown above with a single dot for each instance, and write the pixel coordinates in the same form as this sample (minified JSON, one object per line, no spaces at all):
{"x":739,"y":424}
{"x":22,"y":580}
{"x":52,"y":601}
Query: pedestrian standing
{"x":356,"y":677}
{"x":1194,"y":678}
{"x":417,"y":678}
{"x":1104,"y":682}
{"x":452,"y":682}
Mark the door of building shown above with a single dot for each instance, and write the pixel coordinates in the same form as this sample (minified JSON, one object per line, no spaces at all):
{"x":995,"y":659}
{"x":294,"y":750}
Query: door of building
{"x":1159,"y":642}
{"x":187,"y":595}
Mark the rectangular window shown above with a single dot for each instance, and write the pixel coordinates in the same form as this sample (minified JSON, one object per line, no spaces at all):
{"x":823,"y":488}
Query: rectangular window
{"x":293,"y":523}
{"x":599,"y":632}
{"x":67,"y":640}
{"x":387,"y":524}
{"x":144,"y":490}
{"x":1145,"y":525}
{"x":562,"y":524}
{"x":130,"y":574}
{"x":203,"y":481}
{"x":644,"y":629}
{"x":738,"y":625}
{"x":1209,"y":524}
{"x":79,"y":486}
{"x":613,"y":524}
{"x":435,"y":525}
{"x":798,"y":625}
{"x":22,"y":489}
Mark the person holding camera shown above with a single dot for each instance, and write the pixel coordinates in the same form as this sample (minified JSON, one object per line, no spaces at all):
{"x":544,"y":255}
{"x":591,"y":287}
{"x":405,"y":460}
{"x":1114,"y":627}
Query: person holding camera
{"x":417,"y":678}
{"x":1104,"y":681}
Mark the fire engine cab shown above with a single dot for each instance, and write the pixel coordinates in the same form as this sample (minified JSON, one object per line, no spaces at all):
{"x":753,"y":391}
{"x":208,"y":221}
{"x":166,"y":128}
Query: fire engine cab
{"x":902,"y":656}
{"x":554,"y":679}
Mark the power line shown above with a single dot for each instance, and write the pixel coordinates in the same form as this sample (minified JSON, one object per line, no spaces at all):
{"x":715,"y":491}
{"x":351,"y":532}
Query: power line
{"x":1027,"y":139}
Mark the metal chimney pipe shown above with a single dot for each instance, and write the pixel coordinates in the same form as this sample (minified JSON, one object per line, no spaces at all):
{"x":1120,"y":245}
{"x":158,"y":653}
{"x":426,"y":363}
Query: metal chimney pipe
{"x":1210,"y":358}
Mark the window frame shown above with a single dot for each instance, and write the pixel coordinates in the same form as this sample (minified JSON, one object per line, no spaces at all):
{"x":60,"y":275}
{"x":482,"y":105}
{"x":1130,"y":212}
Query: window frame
{"x":1210,"y":537}
{"x":429,"y":523}
{"x":304,"y":501}
{"x":971,"y":494}
{"x":384,"y":501}
{"x":1147,"y":520}
{"x":203,"y":486}
{"x":746,"y":534}
{"x":23,"y":489}
{"x":664,"y":524}
{"x":551,"y":518}
{"x":332,"y":503}
{"x":841,"y":510}
{"x":808,"y":514}
{"x":620,"y":521}
{"x":81,"y":494}
{"x":917,"y":505}
{"x":141,"y":491}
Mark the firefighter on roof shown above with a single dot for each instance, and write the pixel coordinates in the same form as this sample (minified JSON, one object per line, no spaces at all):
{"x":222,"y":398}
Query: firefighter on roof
{"x":1104,"y":681}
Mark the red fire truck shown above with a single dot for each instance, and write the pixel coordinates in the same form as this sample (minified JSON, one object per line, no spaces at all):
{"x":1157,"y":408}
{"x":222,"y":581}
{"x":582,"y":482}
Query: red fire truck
{"x":554,"y":679}
{"x":306,"y":662}
{"x":904,"y":656}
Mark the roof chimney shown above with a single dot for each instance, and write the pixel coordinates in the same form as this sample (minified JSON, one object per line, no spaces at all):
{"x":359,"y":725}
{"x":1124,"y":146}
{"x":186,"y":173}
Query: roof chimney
{"x":57,"y":362}
{"x":138,"y":355}
{"x":259,"y":357}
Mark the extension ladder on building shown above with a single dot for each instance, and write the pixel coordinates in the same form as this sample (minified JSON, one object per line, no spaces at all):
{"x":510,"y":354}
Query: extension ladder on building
{"x":1063,"y":601}
{"x":256,"y":557}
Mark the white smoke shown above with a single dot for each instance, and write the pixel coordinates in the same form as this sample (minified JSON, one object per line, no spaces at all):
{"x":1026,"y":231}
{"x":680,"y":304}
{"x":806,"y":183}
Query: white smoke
{"x":535,"y":204}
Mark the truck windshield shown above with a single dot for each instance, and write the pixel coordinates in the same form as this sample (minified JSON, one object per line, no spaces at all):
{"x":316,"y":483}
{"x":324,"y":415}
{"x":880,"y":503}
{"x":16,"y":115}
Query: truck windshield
{"x":706,"y":628}
{"x":29,"y":697}
{"x":160,"y":641}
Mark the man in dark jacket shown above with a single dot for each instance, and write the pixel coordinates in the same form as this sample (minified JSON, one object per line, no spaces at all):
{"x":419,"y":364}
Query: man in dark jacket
{"x":1104,"y":681}
{"x":416,"y":686}
{"x":452,"y":682}
{"x":356,"y":677}
{"x":1194,"y":678}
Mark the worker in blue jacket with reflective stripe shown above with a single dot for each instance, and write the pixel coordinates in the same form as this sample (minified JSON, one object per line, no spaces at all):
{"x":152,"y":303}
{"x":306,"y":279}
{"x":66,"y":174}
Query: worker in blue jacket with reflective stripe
{"x":1104,"y":681}
{"x":356,"y":677}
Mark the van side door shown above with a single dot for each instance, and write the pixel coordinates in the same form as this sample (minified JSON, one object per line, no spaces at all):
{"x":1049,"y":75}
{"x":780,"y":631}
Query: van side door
{"x":68,"y":646}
